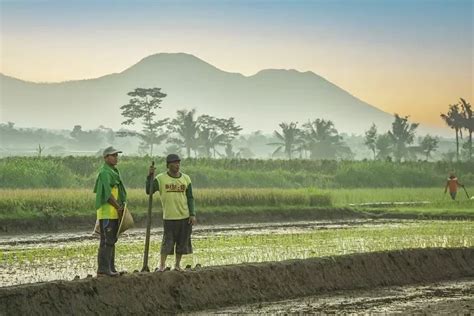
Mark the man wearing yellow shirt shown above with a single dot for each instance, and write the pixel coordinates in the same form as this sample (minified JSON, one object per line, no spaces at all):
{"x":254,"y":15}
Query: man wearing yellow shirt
{"x":178,"y":210}
{"x":110,"y":201}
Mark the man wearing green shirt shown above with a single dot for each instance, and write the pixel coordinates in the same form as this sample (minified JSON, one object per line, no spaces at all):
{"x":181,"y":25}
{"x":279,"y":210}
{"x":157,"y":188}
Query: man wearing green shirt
{"x":110,"y":201}
{"x":178,"y":210}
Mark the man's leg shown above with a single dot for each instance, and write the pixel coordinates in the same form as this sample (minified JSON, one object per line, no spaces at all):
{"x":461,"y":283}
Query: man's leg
{"x":453,"y":195}
{"x":102,"y":265}
{"x":183,"y":244}
{"x":163,"y":262}
{"x":112,"y":260}
{"x":110,"y":231}
{"x":177,"y":264}
{"x":167,"y":243}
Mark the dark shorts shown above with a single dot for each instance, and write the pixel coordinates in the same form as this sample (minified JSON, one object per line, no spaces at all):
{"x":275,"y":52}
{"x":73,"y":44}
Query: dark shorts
{"x":177,"y":233}
{"x":453,"y":195}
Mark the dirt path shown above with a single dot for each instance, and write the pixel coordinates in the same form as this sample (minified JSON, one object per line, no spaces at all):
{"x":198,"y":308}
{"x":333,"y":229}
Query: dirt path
{"x":213,"y":287}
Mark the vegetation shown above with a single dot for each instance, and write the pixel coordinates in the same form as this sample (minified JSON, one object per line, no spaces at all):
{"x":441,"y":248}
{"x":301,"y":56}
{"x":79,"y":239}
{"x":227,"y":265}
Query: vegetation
{"x":80,"y":172}
{"x":62,"y":203}
{"x":142,"y":106}
{"x":460,"y":117}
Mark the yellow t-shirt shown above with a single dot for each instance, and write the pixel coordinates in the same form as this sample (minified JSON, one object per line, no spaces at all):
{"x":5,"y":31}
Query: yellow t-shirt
{"x":107,"y":211}
{"x":173,"y":195}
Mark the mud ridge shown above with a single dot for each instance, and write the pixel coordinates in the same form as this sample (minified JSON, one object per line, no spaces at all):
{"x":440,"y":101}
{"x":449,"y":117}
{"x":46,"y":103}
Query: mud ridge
{"x":239,"y":216}
{"x":151,"y":293}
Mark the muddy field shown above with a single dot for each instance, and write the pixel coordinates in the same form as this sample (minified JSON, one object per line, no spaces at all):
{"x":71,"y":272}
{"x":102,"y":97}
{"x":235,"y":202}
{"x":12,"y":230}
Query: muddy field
{"x":450,"y":297}
{"x":341,"y":265}
{"x":213,"y":287}
{"x":48,"y":257}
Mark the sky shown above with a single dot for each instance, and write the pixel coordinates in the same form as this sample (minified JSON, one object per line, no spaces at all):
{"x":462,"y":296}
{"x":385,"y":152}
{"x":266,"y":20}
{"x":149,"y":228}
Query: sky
{"x":411,"y":57}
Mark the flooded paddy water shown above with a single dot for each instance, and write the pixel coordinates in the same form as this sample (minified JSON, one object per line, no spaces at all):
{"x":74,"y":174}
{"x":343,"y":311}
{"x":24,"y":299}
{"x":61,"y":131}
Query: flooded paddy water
{"x":65,"y":256}
{"x":449,"y":297}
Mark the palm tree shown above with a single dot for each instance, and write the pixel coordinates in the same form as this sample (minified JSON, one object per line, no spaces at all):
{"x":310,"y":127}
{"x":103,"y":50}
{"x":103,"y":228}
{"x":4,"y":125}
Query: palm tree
{"x":323,"y":141}
{"x":186,"y":127}
{"x":402,"y":135}
{"x":454,"y":119}
{"x":209,"y":139}
{"x":287,"y":139}
{"x":468,"y":122}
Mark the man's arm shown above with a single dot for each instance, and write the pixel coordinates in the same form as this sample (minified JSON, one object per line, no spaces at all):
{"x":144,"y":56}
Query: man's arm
{"x":190,"y":200}
{"x":156,"y":186}
{"x":115,"y":204}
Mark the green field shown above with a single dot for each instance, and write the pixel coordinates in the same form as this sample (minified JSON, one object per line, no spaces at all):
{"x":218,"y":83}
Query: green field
{"x":80,"y":172}
{"x":61,"y":203}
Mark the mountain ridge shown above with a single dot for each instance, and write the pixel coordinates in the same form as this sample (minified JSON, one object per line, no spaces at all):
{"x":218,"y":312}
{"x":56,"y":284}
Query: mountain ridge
{"x":258,"y":102}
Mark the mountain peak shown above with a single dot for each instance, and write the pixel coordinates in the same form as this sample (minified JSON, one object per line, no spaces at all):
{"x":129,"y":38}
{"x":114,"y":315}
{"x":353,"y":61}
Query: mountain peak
{"x":171,"y":61}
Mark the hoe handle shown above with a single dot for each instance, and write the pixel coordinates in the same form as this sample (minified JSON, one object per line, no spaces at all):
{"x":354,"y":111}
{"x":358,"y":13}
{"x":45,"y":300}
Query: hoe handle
{"x":148,"y":223}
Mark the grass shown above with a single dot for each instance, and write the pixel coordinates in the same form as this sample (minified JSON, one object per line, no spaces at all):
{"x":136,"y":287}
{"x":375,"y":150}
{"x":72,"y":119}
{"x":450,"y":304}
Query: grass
{"x":63,"y":203}
{"x":81,"y":172}
{"x":46,"y":262}
{"x":30,"y":203}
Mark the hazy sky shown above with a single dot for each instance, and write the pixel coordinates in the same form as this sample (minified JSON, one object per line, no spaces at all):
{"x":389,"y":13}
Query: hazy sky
{"x":410,"y":57}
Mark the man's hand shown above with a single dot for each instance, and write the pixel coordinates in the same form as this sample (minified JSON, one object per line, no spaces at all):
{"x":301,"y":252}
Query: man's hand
{"x":151,"y":171}
{"x":120,"y":211}
{"x":192,"y":220}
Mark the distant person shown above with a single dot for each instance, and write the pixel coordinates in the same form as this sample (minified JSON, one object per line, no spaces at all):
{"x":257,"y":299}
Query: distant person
{"x":176,"y":195}
{"x":109,"y":202}
{"x":453,"y":185}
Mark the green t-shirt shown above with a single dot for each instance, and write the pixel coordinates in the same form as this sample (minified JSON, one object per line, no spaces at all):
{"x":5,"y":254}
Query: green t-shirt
{"x":176,"y":195}
{"x":108,"y":184}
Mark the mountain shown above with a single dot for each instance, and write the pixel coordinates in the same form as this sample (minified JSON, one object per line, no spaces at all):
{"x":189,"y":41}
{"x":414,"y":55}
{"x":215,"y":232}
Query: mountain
{"x":258,"y":102}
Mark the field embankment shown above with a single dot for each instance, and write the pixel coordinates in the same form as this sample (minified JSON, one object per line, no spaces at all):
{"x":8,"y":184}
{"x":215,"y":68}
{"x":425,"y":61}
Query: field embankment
{"x":42,"y":210}
{"x":142,"y":293}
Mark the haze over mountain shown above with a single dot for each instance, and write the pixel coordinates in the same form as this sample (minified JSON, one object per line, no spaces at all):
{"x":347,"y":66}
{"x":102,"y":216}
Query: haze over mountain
{"x":258,"y":102}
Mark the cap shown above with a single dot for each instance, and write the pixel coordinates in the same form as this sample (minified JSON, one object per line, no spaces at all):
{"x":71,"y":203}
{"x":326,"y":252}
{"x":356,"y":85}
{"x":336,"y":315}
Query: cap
{"x":110,"y":151}
{"x":172,"y":158}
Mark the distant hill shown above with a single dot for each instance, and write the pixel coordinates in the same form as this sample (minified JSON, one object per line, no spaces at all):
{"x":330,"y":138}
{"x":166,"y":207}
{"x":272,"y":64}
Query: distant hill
{"x":258,"y":102}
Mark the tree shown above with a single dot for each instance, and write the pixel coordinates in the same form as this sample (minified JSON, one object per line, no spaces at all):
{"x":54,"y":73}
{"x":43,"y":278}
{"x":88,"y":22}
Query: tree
{"x":323,"y":140}
{"x":402,"y":135}
{"x":208,"y":139}
{"x":287,"y":139}
{"x":371,"y":138}
{"x":229,"y":128}
{"x":186,"y":128}
{"x":429,"y":144}
{"x":468,"y":123}
{"x":86,"y":139}
{"x":383,"y":146}
{"x":215,"y":132}
{"x":40,"y":150}
{"x":142,"y":106}
{"x":454,"y":119}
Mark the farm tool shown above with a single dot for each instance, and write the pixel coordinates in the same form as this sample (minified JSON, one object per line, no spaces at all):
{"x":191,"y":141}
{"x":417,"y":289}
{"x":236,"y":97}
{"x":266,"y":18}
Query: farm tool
{"x":465,"y":191}
{"x":145,"y":267}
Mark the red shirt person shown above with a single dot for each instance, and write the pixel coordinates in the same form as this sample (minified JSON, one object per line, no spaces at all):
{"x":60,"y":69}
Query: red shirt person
{"x":453,"y":185}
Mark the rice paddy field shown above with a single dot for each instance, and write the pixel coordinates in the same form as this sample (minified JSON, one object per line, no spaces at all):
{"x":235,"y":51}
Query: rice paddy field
{"x":46,"y":257}
{"x":62,"y":203}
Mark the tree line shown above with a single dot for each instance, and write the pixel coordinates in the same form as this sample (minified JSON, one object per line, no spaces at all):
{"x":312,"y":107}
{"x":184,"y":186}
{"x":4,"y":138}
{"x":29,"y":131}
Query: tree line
{"x":207,"y":136}
{"x":459,"y":117}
